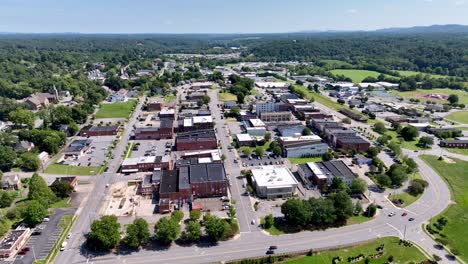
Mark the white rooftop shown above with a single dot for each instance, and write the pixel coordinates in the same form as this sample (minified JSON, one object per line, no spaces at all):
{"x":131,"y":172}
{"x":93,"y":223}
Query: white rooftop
{"x":301,"y":138}
{"x":387,"y":84}
{"x":167,"y":111}
{"x":273,"y":176}
{"x":202,"y":84}
{"x":202,"y":119}
{"x":257,"y":123}
{"x":139,"y":160}
{"x":316,"y":170}
{"x":419,"y":124}
{"x":271,"y":84}
{"x":243,"y":137}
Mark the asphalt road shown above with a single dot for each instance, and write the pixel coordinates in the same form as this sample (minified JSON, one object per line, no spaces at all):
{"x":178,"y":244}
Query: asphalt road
{"x":252,"y":242}
{"x":88,"y":212}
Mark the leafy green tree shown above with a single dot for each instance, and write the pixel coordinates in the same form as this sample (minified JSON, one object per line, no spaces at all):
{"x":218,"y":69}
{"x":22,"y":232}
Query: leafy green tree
{"x":214,"y":227}
{"x":453,"y":99}
{"x":395,"y":148}
{"x":409,"y":133}
{"x":327,"y":156}
{"x":166,"y":230}
{"x":338,"y":185}
{"x":21,"y":117}
{"x":104,"y":234}
{"x":358,"y":208}
{"x":28,"y":162}
{"x":177,"y":216}
{"x":277,"y":151}
{"x":61,"y":189}
{"x":397,"y":174}
{"x":426,"y":142}
{"x":34,"y":213}
{"x":137,"y":233}
{"x":383,"y":140}
{"x":7,"y":158}
{"x":192,"y":232}
{"x":383,"y":180}
{"x":296,"y":212}
{"x":358,"y":186}
{"x":322,"y":212}
{"x":268,"y":221}
{"x":411,"y":165}
{"x":373,"y":152}
{"x":6,"y":198}
{"x":343,"y":205}
{"x":267,"y":137}
{"x":380,"y":128}
{"x":195,"y":215}
{"x":39,"y":191}
{"x":371,"y":210}
{"x":306,"y":132}
{"x":247,"y":152}
{"x":259,"y":151}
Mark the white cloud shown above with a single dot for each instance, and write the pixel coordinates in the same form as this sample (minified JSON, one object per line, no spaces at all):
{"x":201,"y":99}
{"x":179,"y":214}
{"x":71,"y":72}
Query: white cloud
{"x":351,"y":11}
{"x":460,"y":2}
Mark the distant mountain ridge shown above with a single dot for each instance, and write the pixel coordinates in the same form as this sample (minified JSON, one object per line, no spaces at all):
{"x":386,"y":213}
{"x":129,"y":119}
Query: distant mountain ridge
{"x":450,"y":28}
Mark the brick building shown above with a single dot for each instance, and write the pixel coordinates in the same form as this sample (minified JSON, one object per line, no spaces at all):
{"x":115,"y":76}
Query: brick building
{"x":144,"y":164}
{"x":196,"y":140}
{"x":163,"y":130}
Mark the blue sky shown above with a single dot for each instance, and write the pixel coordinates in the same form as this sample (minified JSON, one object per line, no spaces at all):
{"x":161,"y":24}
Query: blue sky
{"x":224,"y":16}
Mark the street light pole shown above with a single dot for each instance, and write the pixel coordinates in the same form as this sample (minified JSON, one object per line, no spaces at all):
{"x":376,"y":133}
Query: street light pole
{"x":404,"y":234}
{"x":34,"y":253}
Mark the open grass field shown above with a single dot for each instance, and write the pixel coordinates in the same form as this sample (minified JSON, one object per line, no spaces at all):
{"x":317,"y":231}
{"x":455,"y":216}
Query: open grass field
{"x":304,"y":160}
{"x":405,"y":197}
{"x":455,"y":175}
{"x":64,"y":203}
{"x":411,"y":145}
{"x":56,"y":168}
{"x":322,"y":99}
{"x":423,"y":95}
{"x":169,"y":97}
{"x":457,"y":151}
{"x":460,"y":117}
{"x":227,"y":97}
{"x":400,"y":253}
{"x":116,"y":110}
{"x":356,"y":75}
{"x":413,"y":73}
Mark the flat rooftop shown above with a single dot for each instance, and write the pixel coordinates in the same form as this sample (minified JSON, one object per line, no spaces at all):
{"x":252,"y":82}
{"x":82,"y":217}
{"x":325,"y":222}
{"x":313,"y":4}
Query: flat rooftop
{"x":273,"y":176}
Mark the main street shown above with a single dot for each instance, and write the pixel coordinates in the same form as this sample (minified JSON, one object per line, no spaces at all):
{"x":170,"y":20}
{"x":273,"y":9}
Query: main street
{"x":251,"y":242}
{"x":88,"y":211}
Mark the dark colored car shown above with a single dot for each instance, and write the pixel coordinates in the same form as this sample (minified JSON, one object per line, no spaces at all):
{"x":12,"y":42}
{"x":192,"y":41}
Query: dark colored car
{"x":273,"y":247}
{"x":270,"y":252}
{"x":411,"y":219}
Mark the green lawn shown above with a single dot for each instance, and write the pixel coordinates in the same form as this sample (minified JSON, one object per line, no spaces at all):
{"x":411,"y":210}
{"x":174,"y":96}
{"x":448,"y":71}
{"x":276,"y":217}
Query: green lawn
{"x":422,"y":94}
{"x":322,"y":99}
{"x":226,"y":97}
{"x":356,"y":75}
{"x":72,"y":170}
{"x":304,"y":160}
{"x":400,"y":253}
{"x":457,"y":151}
{"x":456,"y":177}
{"x":413,"y":73}
{"x":116,"y":110}
{"x":411,"y":145}
{"x":61,"y":204}
{"x":405,"y":197}
{"x":169,"y":97}
{"x":265,"y":147}
{"x":357,"y":219}
{"x":460,"y":117}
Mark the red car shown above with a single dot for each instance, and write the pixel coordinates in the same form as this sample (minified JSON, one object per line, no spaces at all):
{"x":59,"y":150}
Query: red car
{"x":404,"y":214}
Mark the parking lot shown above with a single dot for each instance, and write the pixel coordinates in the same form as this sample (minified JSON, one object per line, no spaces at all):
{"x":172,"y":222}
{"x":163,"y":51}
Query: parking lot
{"x":150,"y":147}
{"x":45,"y":238}
{"x":96,"y":153}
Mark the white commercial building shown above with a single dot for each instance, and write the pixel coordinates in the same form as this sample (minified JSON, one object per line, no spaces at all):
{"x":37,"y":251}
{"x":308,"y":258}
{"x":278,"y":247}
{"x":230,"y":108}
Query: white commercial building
{"x":265,"y":107}
{"x":271,"y":84}
{"x":273,"y":182}
{"x":257,"y":123}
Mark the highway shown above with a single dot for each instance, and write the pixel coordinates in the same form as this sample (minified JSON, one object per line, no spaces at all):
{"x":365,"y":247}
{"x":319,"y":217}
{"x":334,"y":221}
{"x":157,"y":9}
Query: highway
{"x":252,"y":241}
